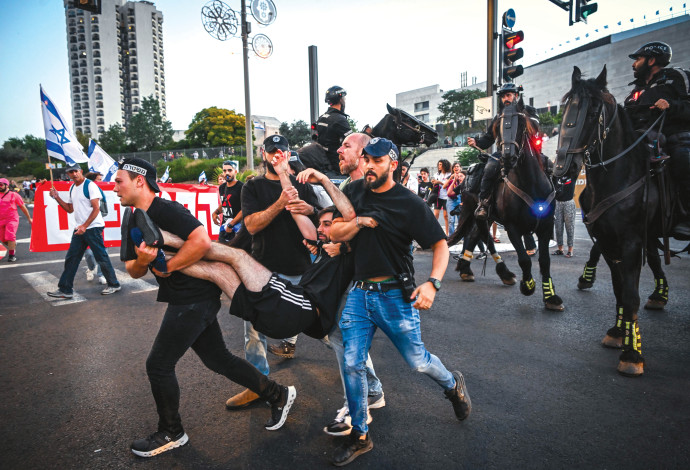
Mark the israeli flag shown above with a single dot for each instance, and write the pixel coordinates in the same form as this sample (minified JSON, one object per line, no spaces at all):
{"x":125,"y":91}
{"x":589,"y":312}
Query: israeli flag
{"x":61,"y":143}
{"x":202,"y":176}
{"x":258,"y":125}
{"x":100,"y":161}
{"x":166,"y":175}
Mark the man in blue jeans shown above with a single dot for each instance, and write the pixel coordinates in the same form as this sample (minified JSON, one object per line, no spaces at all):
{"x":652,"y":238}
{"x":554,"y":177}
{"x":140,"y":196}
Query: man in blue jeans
{"x":88,"y":233}
{"x":388,"y":218}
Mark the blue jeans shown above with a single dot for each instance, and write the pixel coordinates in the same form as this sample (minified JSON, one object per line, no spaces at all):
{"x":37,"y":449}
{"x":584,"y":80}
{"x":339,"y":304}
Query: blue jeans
{"x":336,"y":339}
{"x":450,"y":205}
{"x":93,"y":238}
{"x":195,"y":326}
{"x":255,"y":342}
{"x":364,"y":312}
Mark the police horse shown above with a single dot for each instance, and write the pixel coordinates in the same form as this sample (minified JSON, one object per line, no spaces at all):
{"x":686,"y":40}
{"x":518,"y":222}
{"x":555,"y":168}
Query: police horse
{"x":523,"y":202}
{"x":621,"y":203}
{"x":399,"y":127}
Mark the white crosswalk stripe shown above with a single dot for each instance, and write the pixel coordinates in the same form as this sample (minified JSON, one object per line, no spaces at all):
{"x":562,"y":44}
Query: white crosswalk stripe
{"x":138,"y":285}
{"x":43,"y":282}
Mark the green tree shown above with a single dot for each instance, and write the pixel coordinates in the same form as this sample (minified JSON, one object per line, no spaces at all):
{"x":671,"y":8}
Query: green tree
{"x":215,"y":127}
{"x":298,"y":133}
{"x":458,"y":106}
{"x":147,"y":130}
{"x":353,"y":124}
{"x":114,"y":140}
{"x":467,"y":156}
{"x":83,"y":140}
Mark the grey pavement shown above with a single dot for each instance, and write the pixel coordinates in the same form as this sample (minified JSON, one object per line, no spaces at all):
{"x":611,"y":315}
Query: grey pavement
{"x":545,"y":394}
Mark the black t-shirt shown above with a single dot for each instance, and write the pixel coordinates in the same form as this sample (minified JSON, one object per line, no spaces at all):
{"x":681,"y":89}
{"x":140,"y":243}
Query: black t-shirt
{"x":178,"y":288}
{"x":423,"y":189}
{"x":278,"y":246}
{"x":402,"y":217}
{"x":230,"y":199}
{"x":324,"y":283}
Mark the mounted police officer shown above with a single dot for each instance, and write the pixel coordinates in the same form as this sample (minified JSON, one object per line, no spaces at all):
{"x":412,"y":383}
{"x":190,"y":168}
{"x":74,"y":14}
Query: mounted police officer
{"x":509,"y":93}
{"x":660,"y":88}
{"x":332,"y":126}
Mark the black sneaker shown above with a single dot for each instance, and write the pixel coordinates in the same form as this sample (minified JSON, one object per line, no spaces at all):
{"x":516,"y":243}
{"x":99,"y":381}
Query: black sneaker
{"x":281,"y":408}
{"x":342,"y":424}
{"x":351,"y":449}
{"x":125,"y":240}
{"x":58,"y":294}
{"x":157,"y":443}
{"x":282,"y":349}
{"x":11,"y":259}
{"x":150,"y":231}
{"x":458,"y":396}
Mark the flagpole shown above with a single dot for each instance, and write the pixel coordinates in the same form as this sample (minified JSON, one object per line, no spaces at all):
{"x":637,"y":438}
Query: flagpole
{"x":50,"y":168}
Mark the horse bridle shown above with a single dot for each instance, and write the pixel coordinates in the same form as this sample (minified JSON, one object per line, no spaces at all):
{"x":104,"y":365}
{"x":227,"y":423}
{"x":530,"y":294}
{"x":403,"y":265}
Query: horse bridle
{"x":509,"y":122}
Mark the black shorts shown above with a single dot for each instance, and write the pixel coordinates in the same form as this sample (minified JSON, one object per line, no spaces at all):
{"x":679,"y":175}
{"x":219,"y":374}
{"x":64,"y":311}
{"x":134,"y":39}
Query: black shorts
{"x":280,"y":310}
{"x":440,"y":204}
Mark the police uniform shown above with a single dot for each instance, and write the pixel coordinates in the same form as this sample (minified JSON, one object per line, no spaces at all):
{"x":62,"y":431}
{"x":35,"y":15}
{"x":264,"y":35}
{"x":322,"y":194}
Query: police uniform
{"x":672,"y":85}
{"x":332,"y":128}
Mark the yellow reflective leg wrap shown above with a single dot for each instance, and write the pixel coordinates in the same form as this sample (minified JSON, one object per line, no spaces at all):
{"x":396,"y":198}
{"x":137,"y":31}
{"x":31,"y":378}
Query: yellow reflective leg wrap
{"x":588,"y":273}
{"x":496,"y":257}
{"x":530,"y":284}
{"x":619,"y":318}
{"x":548,"y":289}
{"x":632,"y":339}
{"x":467,"y":255}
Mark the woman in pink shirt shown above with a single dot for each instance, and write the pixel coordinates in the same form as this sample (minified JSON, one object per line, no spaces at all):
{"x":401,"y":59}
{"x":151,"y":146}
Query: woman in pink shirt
{"x":9,"y":218}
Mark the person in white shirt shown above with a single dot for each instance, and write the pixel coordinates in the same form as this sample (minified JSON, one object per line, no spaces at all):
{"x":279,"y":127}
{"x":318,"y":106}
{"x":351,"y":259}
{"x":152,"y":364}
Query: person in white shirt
{"x":88,"y":233}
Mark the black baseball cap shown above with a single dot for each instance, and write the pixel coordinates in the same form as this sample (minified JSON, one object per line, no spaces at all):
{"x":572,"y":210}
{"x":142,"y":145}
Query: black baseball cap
{"x":73,"y":167}
{"x":143,"y":168}
{"x":276,"y":142}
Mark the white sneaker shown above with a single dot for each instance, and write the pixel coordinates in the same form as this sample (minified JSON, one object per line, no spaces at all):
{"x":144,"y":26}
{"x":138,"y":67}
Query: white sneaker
{"x":101,"y":280}
{"x":342,"y":424}
{"x":89,"y":274}
{"x":110,"y":290}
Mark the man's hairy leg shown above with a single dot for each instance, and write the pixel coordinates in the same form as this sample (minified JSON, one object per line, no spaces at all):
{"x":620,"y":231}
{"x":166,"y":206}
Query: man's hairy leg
{"x":252,"y":274}
{"x":218,"y":273}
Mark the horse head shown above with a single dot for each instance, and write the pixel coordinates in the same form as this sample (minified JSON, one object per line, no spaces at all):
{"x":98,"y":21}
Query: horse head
{"x":587,"y":105}
{"x":515,"y":129}
{"x":404,"y":129}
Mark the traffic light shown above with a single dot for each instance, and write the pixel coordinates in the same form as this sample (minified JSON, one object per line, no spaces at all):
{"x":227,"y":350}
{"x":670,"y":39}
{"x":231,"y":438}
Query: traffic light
{"x":511,"y":54}
{"x":580,"y":10}
{"x":94,"y":6}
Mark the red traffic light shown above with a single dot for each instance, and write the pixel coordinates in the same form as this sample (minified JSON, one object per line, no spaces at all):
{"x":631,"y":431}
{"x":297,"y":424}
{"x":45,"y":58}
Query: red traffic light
{"x":513,"y":38}
{"x":313,"y":126}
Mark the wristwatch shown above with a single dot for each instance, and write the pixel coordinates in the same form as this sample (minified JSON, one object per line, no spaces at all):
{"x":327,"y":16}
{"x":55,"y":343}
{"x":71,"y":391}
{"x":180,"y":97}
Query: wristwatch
{"x":435,"y":282}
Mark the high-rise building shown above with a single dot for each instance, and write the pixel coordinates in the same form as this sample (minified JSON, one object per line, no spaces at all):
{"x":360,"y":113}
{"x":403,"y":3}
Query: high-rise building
{"x":116,"y":60}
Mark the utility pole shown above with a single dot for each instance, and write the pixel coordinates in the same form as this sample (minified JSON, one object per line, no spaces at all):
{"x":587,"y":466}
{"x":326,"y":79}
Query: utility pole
{"x":491,"y":36}
{"x":247,"y":108}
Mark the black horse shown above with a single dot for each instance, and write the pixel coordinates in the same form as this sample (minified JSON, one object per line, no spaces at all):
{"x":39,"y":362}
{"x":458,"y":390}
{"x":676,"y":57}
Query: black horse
{"x":399,"y":127}
{"x":523,"y":201}
{"x":620,"y":202}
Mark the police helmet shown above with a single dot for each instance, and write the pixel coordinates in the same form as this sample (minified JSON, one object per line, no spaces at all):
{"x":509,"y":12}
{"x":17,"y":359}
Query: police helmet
{"x":659,"y":50}
{"x":509,"y":88}
{"x":334,"y":94}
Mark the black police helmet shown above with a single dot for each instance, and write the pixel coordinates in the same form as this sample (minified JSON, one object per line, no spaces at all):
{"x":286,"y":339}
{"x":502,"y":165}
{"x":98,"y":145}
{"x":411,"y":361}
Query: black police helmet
{"x":659,"y":50}
{"x":509,"y":88}
{"x":334,"y":94}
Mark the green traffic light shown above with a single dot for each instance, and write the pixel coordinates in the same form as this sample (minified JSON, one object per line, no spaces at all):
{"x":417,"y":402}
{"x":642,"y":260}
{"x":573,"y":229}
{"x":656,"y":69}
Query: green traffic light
{"x":589,"y":10}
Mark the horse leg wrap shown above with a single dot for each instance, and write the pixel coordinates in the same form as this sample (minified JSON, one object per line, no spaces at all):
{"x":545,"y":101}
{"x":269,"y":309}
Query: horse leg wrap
{"x":617,"y":330}
{"x":660,"y":290}
{"x":632,"y":339}
{"x":631,"y":362}
{"x":467,"y":255}
{"x":497,"y":258}
{"x":551,"y":300}
{"x":590,"y":273}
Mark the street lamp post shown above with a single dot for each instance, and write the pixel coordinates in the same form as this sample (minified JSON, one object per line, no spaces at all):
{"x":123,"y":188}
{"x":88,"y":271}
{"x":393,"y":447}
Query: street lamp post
{"x":247,"y":106}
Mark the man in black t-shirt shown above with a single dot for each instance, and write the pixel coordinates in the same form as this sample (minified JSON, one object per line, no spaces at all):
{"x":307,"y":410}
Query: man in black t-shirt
{"x":424,"y":186}
{"x":388,"y":218}
{"x":230,"y":203}
{"x":190,"y":318}
{"x":276,"y":243}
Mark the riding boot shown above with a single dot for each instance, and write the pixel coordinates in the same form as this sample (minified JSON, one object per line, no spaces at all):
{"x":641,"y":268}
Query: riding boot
{"x":491,"y":170}
{"x":482,"y":211}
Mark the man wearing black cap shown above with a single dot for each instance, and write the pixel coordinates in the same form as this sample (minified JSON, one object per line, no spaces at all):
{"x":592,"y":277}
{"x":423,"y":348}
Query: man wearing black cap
{"x":190,"y":318}
{"x":84,"y":203}
{"x":388,"y":217}
{"x":660,"y":88}
{"x":276,"y":243}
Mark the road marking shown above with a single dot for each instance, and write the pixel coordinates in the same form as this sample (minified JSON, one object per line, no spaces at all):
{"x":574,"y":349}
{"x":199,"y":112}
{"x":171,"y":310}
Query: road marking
{"x":52,"y":261}
{"x":43,"y":282}
{"x":139,"y":285}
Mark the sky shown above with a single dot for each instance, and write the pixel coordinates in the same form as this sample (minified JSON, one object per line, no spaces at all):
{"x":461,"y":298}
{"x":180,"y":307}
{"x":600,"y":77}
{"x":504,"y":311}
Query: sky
{"x":372,"y":48}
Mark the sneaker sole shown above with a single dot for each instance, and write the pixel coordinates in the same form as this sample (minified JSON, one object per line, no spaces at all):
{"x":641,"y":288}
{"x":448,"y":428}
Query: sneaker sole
{"x":60,"y":296}
{"x":380,"y":403}
{"x":150,"y":232}
{"x":345,"y":432}
{"x":292,"y":393}
{"x":361,"y":451}
{"x":460,"y":379}
{"x":109,"y":293}
{"x":282,"y":354}
{"x":169,"y":446}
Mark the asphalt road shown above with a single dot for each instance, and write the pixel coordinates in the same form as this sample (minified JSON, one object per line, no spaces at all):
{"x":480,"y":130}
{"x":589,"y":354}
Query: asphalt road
{"x":545,"y":394}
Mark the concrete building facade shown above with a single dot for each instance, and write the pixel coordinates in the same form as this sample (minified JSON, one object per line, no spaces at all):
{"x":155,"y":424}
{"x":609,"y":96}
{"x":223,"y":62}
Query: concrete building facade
{"x":115,"y":60}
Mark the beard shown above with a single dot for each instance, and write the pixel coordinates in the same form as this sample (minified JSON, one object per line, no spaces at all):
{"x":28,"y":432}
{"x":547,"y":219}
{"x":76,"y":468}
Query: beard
{"x":379,"y":181}
{"x":642,"y":71}
{"x":269,"y":168}
{"x":347,"y":168}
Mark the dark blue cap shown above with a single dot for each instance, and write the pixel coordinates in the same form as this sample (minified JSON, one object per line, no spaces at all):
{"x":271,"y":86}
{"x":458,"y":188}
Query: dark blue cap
{"x":379,"y":146}
{"x":276,"y":142}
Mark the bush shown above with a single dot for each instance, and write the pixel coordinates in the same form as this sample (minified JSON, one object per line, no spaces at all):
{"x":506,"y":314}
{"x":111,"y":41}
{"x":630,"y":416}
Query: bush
{"x":28,"y":167}
{"x":467,"y":156}
{"x":187,"y":169}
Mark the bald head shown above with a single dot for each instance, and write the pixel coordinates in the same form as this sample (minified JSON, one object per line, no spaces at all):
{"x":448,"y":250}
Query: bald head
{"x":350,"y":152}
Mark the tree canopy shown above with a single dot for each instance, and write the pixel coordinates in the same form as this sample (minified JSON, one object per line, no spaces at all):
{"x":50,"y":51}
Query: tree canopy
{"x":215,"y":127}
{"x":114,"y":140}
{"x":298,"y":133}
{"x":458,"y":106}
{"x":147,"y":130}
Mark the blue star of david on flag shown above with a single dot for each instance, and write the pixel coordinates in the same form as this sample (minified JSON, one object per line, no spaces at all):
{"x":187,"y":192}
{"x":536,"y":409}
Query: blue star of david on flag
{"x":60,"y":134}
